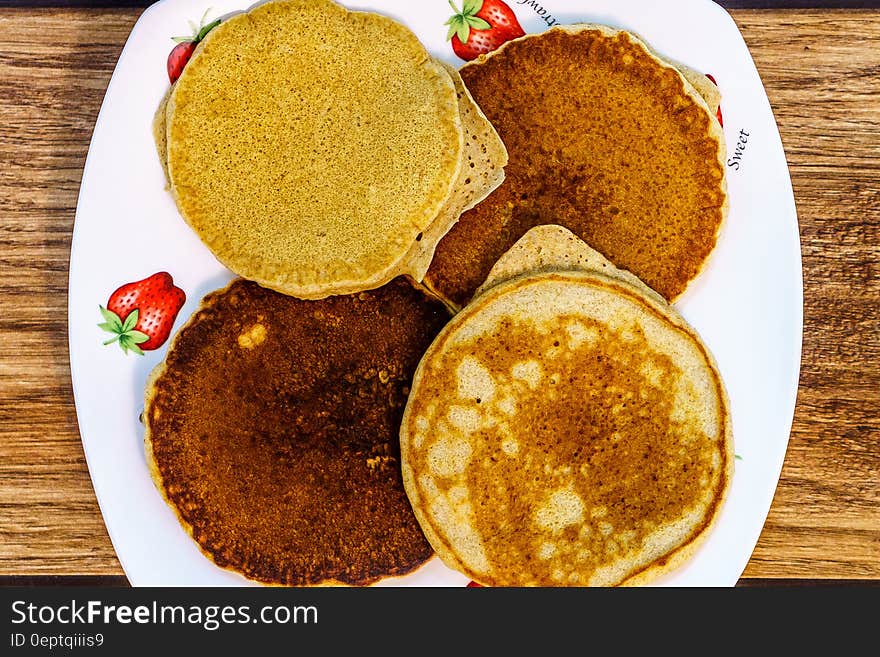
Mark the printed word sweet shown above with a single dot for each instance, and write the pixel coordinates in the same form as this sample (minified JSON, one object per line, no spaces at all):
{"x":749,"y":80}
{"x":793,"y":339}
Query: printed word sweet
{"x":735,"y":161}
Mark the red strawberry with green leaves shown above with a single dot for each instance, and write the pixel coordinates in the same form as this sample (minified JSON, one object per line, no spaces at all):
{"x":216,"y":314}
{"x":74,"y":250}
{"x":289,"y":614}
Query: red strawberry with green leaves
{"x":141,"y":314}
{"x":181,"y":53}
{"x":481,"y":26}
{"x":719,"y":115}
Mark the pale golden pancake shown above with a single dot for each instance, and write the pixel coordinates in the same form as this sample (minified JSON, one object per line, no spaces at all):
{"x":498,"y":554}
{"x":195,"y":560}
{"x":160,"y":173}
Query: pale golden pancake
{"x":566,"y":428}
{"x":604,"y":138}
{"x":483,"y":159}
{"x":310,"y":146}
{"x":272,"y":431}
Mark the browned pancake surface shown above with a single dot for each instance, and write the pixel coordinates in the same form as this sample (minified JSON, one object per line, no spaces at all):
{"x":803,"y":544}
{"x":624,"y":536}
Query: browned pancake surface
{"x":274,"y":430}
{"x":604,"y":140}
{"x":564,"y":429}
{"x":615,"y":444}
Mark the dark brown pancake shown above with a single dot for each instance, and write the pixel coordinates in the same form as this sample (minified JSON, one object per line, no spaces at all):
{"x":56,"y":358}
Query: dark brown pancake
{"x":272,"y":430}
{"x":604,"y":139}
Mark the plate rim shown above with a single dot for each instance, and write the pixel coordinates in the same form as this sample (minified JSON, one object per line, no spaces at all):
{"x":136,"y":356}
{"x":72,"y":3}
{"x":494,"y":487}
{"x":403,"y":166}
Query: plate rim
{"x":792,"y":389}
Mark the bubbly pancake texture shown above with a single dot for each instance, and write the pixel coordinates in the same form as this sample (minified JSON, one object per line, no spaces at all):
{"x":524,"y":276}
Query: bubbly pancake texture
{"x":605,"y":139}
{"x":565,"y":429}
{"x":309,"y":146}
{"x":272,"y":431}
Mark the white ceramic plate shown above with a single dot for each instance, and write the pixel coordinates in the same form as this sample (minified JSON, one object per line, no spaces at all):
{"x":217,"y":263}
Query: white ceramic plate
{"x":747,"y":305}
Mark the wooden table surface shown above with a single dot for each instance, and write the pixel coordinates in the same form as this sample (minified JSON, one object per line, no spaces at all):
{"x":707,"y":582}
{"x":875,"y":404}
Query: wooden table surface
{"x":821,"y":69}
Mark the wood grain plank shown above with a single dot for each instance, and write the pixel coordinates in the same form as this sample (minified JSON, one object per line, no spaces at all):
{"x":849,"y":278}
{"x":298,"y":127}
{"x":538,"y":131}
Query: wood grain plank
{"x":54,"y":69}
{"x":820,"y":70}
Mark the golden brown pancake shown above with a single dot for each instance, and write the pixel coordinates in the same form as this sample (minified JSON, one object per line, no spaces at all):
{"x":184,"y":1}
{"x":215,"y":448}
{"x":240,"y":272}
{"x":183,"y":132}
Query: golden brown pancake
{"x":605,"y":139}
{"x":309,"y":146}
{"x":272,"y":431}
{"x":566,"y":428}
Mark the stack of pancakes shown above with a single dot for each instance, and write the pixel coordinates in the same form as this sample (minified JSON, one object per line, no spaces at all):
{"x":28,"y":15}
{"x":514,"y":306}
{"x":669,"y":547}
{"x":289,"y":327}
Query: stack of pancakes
{"x":319,"y":151}
{"x":315,"y":423}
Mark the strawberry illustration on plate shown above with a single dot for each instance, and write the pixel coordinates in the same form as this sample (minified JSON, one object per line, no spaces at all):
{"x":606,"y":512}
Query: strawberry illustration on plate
{"x":481,"y":26}
{"x":719,"y":115}
{"x":140,"y":314}
{"x":181,"y":53}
